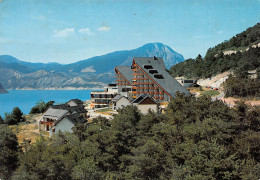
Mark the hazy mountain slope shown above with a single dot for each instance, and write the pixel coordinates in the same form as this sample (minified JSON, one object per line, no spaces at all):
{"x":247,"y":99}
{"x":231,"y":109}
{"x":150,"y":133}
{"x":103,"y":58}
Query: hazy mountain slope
{"x":11,"y":62}
{"x":2,"y":90}
{"x":91,"y":73}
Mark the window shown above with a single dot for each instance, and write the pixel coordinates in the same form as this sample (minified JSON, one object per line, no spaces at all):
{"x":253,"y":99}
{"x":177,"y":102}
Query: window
{"x":148,"y":67}
{"x":158,"y":76}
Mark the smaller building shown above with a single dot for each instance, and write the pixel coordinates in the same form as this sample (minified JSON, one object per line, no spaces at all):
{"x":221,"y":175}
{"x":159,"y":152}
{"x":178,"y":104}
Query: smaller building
{"x":186,"y":82}
{"x":66,"y":123}
{"x":100,"y":99}
{"x":49,"y":117}
{"x":144,"y":103}
{"x":118,"y":102}
{"x":73,"y":111}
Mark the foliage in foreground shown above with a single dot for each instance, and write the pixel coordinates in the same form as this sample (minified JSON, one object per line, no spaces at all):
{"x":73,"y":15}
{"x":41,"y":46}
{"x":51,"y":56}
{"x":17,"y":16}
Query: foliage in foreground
{"x":41,"y":107}
{"x":15,"y":117}
{"x":195,"y":139}
{"x":8,"y":152}
{"x":242,"y":87}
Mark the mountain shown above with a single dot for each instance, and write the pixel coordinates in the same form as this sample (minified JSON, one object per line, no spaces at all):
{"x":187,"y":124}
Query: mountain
{"x":240,"y":54}
{"x":2,"y":90}
{"x":119,"y":58}
{"x":94,"y":72}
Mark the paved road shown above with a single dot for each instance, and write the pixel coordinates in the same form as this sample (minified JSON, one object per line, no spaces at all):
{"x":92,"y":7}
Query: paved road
{"x":220,"y":96}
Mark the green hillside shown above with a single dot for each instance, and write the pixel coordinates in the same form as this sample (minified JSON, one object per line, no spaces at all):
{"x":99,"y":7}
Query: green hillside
{"x":243,"y":59}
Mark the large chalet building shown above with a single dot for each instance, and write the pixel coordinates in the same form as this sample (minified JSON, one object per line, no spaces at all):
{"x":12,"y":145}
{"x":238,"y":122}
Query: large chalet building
{"x":148,"y":76}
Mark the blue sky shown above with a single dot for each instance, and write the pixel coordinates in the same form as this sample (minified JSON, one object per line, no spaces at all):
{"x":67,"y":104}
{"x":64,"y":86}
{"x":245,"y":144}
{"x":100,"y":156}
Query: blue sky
{"x":66,"y":31}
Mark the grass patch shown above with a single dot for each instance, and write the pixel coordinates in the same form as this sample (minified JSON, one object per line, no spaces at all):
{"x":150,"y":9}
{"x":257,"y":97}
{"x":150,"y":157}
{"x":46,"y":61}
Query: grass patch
{"x":28,"y":132}
{"x":204,"y":91}
{"x":104,"y":110}
{"x":209,"y":93}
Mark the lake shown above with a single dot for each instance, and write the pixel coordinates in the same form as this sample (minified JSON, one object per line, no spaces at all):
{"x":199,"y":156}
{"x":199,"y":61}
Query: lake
{"x":26,"y":99}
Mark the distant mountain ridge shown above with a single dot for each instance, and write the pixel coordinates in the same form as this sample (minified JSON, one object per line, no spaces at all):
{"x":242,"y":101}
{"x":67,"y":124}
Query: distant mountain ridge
{"x":94,"y":72}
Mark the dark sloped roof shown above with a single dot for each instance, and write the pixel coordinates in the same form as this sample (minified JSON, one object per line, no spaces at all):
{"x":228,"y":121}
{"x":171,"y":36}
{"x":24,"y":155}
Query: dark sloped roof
{"x":126,"y":71}
{"x":71,"y":109}
{"x":141,"y":98}
{"x":73,"y":118}
{"x":54,"y":113}
{"x":116,"y":98}
{"x":77,"y":101}
{"x":165,"y":80}
{"x":76,"y":118}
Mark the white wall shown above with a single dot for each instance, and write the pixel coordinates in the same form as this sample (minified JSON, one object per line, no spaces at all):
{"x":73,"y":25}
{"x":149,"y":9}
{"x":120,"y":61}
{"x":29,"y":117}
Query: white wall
{"x":145,"y":107}
{"x":64,"y":126}
{"x":122,"y":102}
{"x":71,"y":103}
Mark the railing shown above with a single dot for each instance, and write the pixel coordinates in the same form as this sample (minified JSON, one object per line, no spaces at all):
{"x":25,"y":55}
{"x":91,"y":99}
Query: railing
{"x":101,"y":103}
{"x":123,"y":84}
{"x":47,"y":123}
{"x":140,"y":78}
{"x":136,"y":83}
{"x":138,"y":74}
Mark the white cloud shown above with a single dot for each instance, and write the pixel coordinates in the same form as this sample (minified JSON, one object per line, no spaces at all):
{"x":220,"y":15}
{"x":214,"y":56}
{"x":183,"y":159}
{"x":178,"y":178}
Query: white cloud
{"x":85,"y":31}
{"x":220,"y":32}
{"x":104,"y":28}
{"x":64,"y":32}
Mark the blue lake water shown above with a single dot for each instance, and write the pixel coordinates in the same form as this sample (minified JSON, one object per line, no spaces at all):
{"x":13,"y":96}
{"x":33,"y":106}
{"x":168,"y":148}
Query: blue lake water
{"x":26,"y":99}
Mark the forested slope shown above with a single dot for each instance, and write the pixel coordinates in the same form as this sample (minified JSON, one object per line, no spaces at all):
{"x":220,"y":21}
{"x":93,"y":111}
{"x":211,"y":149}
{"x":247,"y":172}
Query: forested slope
{"x":195,"y":139}
{"x":240,"y":54}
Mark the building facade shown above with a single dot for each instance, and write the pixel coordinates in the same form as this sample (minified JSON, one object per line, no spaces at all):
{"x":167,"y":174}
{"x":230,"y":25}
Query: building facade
{"x":148,"y":76}
{"x":55,"y":113}
{"x":100,"y":99}
{"x":118,"y":102}
{"x":145,"y":103}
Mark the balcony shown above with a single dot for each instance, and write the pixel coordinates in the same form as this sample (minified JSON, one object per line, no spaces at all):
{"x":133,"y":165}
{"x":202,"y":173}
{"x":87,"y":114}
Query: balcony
{"x":123,"y":84}
{"x":138,"y":74}
{"x":47,"y":123}
{"x":101,"y":103}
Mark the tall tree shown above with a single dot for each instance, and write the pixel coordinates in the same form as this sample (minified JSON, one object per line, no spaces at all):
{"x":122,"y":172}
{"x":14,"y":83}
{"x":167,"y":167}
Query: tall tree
{"x":1,"y":120}
{"x":8,"y":152}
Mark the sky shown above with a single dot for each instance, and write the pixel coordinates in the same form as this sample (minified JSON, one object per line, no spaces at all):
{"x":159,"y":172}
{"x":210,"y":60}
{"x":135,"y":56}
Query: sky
{"x":66,"y":31}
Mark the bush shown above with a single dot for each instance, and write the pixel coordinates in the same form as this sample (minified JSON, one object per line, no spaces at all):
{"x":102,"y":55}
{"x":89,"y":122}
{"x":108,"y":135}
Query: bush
{"x":15,"y":117}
